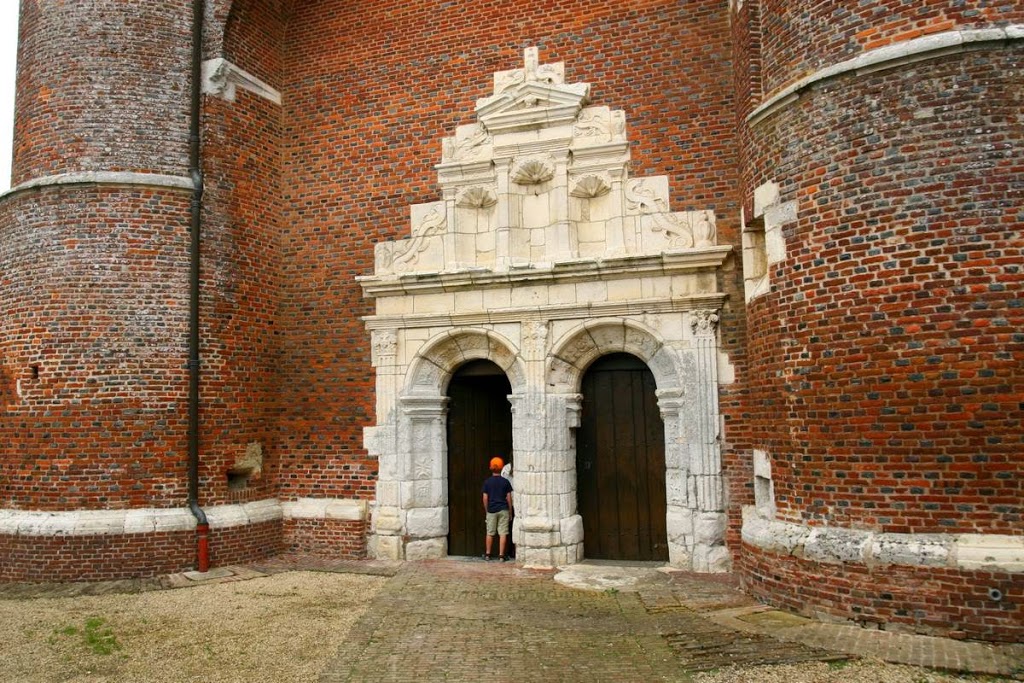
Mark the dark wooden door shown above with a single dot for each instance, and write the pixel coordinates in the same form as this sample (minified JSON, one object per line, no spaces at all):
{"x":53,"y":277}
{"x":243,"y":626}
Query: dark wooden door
{"x":479,"y":428}
{"x":620,"y":462}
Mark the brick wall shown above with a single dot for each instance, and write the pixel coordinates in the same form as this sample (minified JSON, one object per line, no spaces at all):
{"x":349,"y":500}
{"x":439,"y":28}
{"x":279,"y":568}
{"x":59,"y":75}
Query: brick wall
{"x":95,"y":558}
{"x":243,"y":544}
{"x":802,"y":37}
{"x":933,"y":600}
{"x":330,"y":537}
{"x":885,"y":361}
{"x":241,"y":289}
{"x":102,"y":87}
{"x":95,"y":298}
{"x":112,"y":557}
{"x":367,"y":103}
{"x":887,"y":381}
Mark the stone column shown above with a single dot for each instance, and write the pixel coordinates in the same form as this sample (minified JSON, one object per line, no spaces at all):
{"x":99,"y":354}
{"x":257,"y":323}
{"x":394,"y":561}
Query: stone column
{"x":503,"y":215}
{"x":562,"y":238}
{"x":411,"y":516}
{"x":548,"y":531}
{"x":679,"y":502}
{"x":709,"y":523}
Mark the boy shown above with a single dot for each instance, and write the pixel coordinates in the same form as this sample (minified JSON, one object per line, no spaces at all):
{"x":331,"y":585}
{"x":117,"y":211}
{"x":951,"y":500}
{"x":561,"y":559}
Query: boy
{"x":497,"y":506}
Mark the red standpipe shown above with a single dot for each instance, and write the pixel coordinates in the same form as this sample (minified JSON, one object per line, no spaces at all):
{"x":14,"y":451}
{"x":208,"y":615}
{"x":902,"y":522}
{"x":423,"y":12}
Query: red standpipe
{"x":203,"y":531}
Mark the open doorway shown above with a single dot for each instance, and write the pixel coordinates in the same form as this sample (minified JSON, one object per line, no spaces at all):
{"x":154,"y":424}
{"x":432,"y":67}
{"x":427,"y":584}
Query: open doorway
{"x":479,"y":428}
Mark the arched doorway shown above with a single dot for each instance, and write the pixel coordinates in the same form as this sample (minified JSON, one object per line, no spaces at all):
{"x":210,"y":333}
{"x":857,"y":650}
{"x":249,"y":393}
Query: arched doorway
{"x":479,"y":428}
{"x":620,"y":462}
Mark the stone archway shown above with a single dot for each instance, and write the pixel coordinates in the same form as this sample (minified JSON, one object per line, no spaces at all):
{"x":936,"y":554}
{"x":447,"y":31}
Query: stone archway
{"x":542,"y":254}
{"x":410,"y":518}
{"x":687,"y":393}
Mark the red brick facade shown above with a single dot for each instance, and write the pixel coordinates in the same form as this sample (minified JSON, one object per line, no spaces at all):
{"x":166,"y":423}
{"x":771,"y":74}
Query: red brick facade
{"x":881,"y":371}
{"x":885,"y":361}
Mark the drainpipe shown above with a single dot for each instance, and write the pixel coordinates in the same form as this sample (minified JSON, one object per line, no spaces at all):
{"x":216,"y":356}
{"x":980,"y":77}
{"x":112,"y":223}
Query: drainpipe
{"x":196,"y":173}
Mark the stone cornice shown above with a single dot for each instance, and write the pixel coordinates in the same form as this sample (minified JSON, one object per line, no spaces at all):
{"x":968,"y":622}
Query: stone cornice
{"x":549,"y":312}
{"x":834,"y":545}
{"x":888,"y":57}
{"x":110,"y":178}
{"x":222,"y":79}
{"x":581,"y":270}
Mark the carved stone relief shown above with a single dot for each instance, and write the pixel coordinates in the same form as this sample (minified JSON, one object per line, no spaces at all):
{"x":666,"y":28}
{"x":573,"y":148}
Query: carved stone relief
{"x":532,"y":171}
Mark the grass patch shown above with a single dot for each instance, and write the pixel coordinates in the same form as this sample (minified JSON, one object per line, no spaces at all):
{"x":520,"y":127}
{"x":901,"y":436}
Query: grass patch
{"x":95,"y":635}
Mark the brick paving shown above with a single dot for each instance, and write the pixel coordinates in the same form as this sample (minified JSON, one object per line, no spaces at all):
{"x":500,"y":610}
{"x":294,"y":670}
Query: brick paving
{"x":466,"y":620}
{"x":458,"y":620}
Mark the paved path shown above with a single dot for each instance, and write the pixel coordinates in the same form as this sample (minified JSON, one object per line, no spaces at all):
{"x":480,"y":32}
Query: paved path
{"x":464,"y":620}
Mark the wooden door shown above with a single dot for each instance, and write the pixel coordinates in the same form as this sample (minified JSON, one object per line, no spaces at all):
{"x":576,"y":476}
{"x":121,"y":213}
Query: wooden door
{"x":479,"y":428}
{"x":620,"y":462}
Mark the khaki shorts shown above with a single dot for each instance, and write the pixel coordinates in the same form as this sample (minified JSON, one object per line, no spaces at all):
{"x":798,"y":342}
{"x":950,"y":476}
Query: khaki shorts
{"x":497,"y":523}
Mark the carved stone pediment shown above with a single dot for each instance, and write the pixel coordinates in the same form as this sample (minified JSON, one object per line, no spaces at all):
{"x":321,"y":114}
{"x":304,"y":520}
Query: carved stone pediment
{"x":541,"y":178}
{"x":532,"y":97}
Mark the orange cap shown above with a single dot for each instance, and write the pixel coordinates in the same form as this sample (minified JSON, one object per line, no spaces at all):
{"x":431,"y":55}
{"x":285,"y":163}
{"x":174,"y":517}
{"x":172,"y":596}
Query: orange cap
{"x":496,"y":464}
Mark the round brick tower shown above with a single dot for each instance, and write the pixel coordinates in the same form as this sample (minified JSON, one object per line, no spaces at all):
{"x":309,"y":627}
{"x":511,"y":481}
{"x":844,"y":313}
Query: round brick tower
{"x":882,"y":258}
{"x":94,"y":253}
{"x":95,"y":289}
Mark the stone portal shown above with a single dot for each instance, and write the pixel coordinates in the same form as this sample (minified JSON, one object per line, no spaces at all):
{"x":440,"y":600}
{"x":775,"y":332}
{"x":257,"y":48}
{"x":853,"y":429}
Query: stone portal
{"x":543,"y":256}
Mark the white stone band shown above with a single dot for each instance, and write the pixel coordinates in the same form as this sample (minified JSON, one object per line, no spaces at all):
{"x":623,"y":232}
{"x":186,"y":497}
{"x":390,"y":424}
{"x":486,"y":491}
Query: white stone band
{"x":154,"y":180}
{"x":887,"y":57}
{"x":831,"y":545}
{"x":158,"y":520}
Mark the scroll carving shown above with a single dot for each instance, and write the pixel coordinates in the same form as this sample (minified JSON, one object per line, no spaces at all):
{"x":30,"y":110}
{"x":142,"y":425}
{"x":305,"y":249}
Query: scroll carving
{"x":435,"y":223}
{"x":601,"y":123}
{"x":385,"y":343}
{"x":467,"y":148}
{"x":683,"y":230}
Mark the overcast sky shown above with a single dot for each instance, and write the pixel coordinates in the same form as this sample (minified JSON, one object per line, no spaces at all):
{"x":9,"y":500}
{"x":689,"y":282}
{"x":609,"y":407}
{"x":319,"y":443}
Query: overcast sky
{"x":8,"y":50}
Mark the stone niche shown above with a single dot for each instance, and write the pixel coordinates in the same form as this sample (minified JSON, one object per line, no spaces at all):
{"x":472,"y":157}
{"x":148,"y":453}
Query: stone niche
{"x":543,"y":255}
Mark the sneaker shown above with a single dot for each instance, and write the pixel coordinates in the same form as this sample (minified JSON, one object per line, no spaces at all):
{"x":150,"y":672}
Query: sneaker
{"x":505,"y":558}
{"x":487,"y":558}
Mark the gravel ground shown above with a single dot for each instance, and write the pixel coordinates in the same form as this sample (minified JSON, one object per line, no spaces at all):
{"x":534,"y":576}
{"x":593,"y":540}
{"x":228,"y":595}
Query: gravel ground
{"x":860,"y":671}
{"x":275,"y":629}
{"x":280,"y":628}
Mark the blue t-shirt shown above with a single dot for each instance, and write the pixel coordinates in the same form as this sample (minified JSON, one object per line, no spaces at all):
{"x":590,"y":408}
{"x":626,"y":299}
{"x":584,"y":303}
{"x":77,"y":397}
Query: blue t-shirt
{"x":497,"y":488}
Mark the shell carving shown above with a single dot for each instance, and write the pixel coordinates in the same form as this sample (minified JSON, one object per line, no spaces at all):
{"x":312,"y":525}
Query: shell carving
{"x":590,"y":186}
{"x":533,"y":171}
{"x":476,"y":197}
